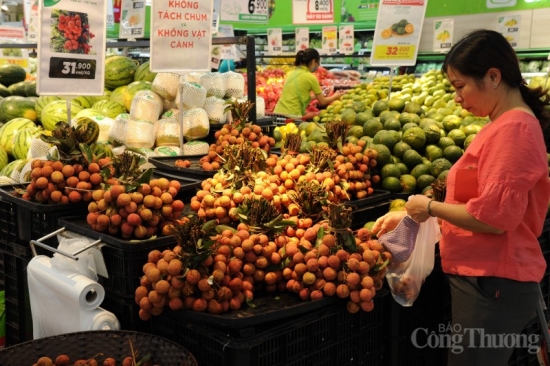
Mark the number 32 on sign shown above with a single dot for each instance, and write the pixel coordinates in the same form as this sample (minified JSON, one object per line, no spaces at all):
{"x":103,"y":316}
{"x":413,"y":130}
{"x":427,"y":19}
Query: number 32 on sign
{"x":391,"y":52}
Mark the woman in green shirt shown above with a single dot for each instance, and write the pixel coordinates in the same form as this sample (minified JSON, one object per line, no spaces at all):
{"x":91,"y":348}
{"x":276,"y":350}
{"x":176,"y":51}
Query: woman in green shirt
{"x":300,"y":83}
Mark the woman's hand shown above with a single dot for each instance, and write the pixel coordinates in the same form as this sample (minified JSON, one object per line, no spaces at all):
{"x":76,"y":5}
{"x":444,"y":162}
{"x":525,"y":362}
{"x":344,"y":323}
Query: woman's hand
{"x":388,"y":222}
{"x":417,"y":207}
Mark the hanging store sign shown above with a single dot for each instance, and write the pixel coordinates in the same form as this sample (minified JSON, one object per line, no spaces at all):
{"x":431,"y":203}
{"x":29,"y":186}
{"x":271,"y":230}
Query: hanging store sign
{"x":274,"y":41}
{"x":132,"y":19}
{"x":443,"y":35}
{"x":248,"y":11}
{"x":509,"y":27}
{"x":397,"y":33}
{"x":330,"y":40}
{"x":183,"y":30}
{"x":312,"y":11}
{"x":345,"y":39}
{"x":71,"y":45}
{"x":302,"y":38}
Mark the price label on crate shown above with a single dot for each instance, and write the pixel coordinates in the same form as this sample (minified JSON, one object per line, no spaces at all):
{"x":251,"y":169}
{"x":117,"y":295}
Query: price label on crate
{"x":247,"y":11}
{"x":132,"y":19}
{"x":71,"y":45}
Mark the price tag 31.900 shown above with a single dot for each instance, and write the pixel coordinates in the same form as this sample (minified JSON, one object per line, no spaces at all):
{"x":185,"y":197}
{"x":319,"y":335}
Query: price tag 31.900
{"x":72,"y":68}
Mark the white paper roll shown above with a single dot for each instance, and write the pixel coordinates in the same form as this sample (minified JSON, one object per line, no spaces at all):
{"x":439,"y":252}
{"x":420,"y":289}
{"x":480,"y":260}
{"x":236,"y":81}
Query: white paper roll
{"x":99,"y":319}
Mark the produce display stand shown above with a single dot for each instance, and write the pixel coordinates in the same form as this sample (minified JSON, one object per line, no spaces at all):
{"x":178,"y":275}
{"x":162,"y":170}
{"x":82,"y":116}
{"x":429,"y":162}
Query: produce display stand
{"x":304,"y":334}
{"x":99,"y":344}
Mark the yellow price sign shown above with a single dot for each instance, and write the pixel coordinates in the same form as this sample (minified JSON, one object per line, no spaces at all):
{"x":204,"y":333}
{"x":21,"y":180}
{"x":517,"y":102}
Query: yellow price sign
{"x":23,"y":63}
{"x":391,"y":52}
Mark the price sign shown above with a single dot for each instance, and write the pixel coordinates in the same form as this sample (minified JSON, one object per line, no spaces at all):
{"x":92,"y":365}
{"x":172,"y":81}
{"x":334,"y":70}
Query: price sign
{"x":302,"y":38}
{"x":443,"y":35}
{"x":385,"y":52}
{"x":15,"y":55}
{"x":330,"y":40}
{"x":249,"y":11}
{"x":345,"y":35}
{"x":274,"y":41}
{"x":312,"y":11}
{"x":132,"y":19}
{"x":71,"y":45}
{"x":72,"y":68}
{"x":509,"y":27}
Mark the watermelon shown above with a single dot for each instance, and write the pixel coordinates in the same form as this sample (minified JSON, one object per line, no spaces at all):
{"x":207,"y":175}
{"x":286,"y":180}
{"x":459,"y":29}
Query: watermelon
{"x":11,"y":74}
{"x":22,"y":142}
{"x":117,"y":95}
{"x":4,"y":91}
{"x":3,"y":158}
{"x":9,"y":130}
{"x":30,"y":89}
{"x":144,"y":73}
{"x":131,"y":91}
{"x":109,"y":108}
{"x":89,"y":112}
{"x":8,"y":169}
{"x":18,"y":88}
{"x":41,"y":103}
{"x":56,"y":111}
{"x":84,"y":101}
{"x":16,"y":107}
{"x":119,"y":71}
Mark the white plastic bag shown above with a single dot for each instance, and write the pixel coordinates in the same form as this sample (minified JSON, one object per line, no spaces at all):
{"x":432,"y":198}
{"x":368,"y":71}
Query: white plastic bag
{"x":406,"y":278}
{"x":86,"y":263}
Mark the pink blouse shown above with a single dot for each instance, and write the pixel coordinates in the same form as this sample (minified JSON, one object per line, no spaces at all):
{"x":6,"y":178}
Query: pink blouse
{"x":513,"y":194}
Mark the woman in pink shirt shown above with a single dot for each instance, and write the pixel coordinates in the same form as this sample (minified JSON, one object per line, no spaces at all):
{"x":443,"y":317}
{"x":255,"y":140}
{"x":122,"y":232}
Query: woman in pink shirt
{"x":492,"y":218}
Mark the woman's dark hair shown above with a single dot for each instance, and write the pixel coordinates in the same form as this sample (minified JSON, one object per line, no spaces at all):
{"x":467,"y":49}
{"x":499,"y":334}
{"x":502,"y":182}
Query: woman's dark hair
{"x":483,"y":49}
{"x":306,"y":56}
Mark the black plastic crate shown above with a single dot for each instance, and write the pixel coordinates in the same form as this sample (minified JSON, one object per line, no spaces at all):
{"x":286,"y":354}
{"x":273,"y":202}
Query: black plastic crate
{"x":168,"y":164}
{"x":360,"y":216}
{"x":17,"y":305}
{"x":377,"y":196}
{"x":8,"y":220}
{"x":127,"y":312}
{"x":327,"y":336}
{"x":124,"y":259}
{"x":33,"y":220}
{"x":188,"y":186}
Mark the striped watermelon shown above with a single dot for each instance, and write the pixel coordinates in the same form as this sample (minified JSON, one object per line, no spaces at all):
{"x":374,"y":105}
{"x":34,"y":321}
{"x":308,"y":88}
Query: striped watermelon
{"x":4,"y":91}
{"x":119,"y":71}
{"x":41,"y":103}
{"x":132,"y":89}
{"x":109,"y":108}
{"x":3,"y":158}
{"x":88,"y":112}
{"x":16,"y":107}
{"x":117,"y":95}
{"x":22,"y":142}
{"x":56,"y":111}
{"x":8,"y":169}
{"x":144,"y":73}
{"x":84,"y":101}
{"x":9,"y":130}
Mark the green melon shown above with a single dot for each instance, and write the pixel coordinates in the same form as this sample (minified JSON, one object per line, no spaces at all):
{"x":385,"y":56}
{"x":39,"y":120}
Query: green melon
{"x":89,"y":112}
{"x":84,"y":101}
{"x":119,"y":71}
{"x":41,"y":103}
{"x":30,"y":89}
{"x":3,"y":158}
{"x":4,"y":91}
{"x":22,"y":142}
{"x":18,"y":88}
{"x":17,"y":107}
{"x":117,"y":95}
{"x":56,"y":111}
{"x":131,"y":91}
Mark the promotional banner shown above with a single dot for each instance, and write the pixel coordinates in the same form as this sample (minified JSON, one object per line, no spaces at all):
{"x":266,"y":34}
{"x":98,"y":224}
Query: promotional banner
{"x":345,"y":39}
{"x":17,"y":56}
{"x":132,"y":19}
{"x":443,"y":35}
{"x":302,"y":38}
{"x":248,"y":11}
{"x":397,"y":33}
{"x":329,"y":40}
{"x":181,"y":29}
{"x":71,"y":47}
{"x":312,"y":11}
{"x":274,"y":41}
{"x":509,"y":26}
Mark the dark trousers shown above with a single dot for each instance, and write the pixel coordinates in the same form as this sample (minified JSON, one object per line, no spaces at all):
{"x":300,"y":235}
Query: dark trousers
{"x":482,"y":309}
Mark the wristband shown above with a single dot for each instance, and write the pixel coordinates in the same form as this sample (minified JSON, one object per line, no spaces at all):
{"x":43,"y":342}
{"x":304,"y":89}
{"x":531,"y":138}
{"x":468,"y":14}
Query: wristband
{"x":429,"y":208}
